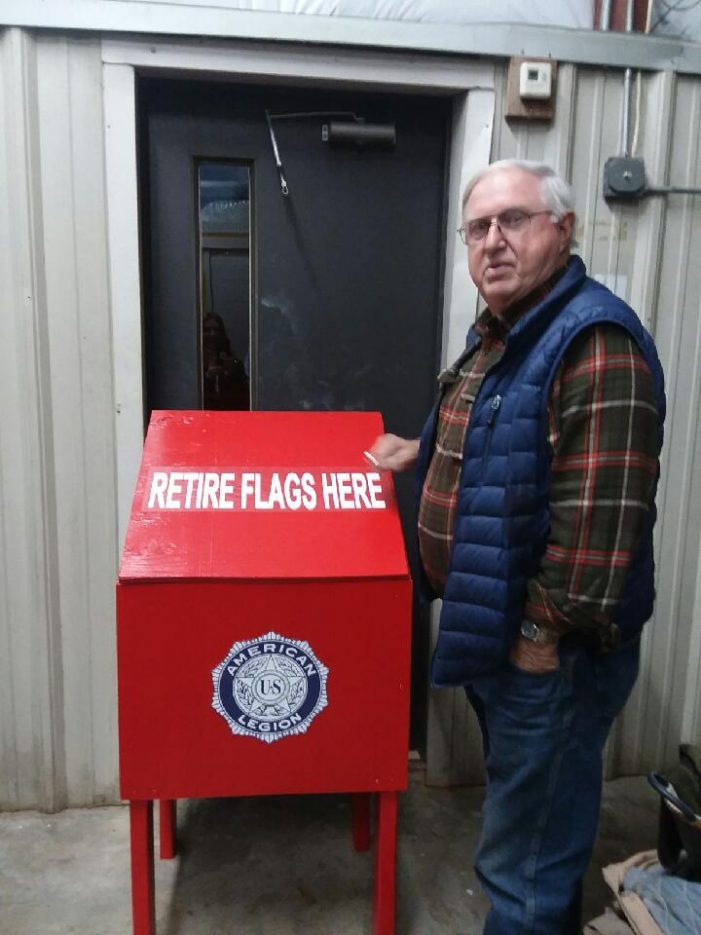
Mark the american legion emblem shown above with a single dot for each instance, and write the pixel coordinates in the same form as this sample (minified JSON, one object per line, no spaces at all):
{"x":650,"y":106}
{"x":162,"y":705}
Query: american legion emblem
{"x":270,"y":687}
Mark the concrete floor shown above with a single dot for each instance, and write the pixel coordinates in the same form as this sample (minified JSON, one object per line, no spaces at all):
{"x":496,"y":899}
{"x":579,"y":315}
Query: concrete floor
{"x":275,"y":865}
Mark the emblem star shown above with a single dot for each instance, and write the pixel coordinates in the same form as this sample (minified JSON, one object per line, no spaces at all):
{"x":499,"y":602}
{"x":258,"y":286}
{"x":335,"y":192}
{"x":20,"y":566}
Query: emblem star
{"x":286,"y":703}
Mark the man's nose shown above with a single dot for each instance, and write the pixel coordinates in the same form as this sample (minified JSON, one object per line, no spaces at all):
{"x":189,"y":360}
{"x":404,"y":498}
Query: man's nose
{"x":494,"y":237}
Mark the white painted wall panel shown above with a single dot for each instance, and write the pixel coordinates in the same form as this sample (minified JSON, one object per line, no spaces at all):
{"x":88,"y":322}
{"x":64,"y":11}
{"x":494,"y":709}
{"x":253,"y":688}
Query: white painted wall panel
{"x":58,"y":725}
{"x":69,"y":83}
{"x":30,"y":664}
{"x":119,"y":86}
{"x":678,"y":333}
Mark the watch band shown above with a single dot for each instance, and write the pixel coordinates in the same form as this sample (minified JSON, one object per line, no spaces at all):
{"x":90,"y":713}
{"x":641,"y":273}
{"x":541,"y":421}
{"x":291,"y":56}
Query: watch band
{"x":531,"y":631}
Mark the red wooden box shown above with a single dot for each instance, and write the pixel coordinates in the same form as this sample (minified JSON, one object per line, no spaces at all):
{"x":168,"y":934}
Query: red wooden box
{"x":264,"y":619}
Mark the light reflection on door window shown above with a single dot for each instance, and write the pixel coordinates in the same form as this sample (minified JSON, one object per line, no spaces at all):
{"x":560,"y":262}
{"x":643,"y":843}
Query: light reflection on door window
{"x":225,"y":284}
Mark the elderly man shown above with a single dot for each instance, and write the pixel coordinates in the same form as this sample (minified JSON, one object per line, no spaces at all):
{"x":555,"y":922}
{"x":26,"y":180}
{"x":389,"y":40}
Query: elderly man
{"x":537,"y":471}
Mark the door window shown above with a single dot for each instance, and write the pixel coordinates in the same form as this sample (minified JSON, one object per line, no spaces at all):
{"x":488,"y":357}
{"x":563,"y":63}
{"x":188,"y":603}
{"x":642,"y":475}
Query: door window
{"x":225,"y":284}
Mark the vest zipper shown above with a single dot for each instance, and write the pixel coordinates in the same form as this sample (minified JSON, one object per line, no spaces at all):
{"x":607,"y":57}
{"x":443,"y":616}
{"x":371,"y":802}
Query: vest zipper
{"x":496,"y":403}
{"x":494,"y":408}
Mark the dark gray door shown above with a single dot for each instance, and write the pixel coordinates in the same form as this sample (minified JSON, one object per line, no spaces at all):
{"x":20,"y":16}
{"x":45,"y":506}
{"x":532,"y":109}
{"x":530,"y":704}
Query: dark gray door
{"x":327,"y":298}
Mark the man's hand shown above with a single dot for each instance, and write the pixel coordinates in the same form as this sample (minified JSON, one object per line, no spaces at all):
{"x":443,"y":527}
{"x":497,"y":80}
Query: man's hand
{"x":393,"y":453}
{"x":537,"y":658}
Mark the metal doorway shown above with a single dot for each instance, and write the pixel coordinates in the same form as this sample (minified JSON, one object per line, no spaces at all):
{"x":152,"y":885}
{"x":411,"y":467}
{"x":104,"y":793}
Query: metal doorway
{"x":327,"y":298}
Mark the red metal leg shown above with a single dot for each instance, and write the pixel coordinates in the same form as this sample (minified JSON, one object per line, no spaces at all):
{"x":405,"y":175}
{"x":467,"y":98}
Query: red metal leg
{"x":166,"y":828}
{"x":385,"y":865}
{"x":143,"y":906}
{"x":361,"y":821}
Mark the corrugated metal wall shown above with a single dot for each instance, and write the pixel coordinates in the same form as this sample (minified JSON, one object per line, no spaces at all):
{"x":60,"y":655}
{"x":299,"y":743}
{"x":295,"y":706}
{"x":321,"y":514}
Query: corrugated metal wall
{"x":58,"y":522}
{"x":57,"y":424}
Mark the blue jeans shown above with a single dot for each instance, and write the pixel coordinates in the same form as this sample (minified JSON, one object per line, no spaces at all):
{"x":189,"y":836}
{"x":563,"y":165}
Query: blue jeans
{"x":543,"y":739}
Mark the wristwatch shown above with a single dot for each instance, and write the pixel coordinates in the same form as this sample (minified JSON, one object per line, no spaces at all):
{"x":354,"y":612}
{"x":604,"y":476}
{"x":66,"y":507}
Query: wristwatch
{"x":531,"y":631}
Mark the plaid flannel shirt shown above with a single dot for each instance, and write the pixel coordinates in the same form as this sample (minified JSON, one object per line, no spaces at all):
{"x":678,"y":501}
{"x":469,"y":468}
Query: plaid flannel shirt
{"x":602,"y":439}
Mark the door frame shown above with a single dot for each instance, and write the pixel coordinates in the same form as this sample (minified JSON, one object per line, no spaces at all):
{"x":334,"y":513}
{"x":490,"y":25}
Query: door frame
{"x":471,"y":84}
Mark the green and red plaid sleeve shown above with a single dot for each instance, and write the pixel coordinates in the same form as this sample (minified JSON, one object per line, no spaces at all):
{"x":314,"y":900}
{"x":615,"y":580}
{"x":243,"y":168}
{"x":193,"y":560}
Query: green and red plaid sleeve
{"x":603,"y":438}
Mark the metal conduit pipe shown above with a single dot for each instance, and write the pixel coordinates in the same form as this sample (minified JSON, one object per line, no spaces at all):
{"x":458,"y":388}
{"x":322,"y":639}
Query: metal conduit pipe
{"x":605,"y":16}
{"x":627,"y":84}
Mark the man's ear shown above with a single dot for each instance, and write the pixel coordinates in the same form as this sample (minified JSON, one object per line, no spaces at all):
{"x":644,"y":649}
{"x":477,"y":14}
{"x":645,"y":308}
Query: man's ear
{"x":566,"y":225}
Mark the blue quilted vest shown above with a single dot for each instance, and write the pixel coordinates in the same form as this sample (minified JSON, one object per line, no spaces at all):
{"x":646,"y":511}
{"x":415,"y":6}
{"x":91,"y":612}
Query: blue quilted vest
{"x":502,"y":516}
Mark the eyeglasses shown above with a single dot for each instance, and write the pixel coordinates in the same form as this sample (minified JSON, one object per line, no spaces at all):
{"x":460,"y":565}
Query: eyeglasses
{"x":512,"y":221}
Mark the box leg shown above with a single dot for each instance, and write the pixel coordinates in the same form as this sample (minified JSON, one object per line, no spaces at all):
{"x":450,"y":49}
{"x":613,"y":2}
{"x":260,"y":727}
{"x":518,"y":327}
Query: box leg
{"x":143,"y":905}
{"x":385,"y":865}
{"x":166,"y":828}
{"x":361,"y":821}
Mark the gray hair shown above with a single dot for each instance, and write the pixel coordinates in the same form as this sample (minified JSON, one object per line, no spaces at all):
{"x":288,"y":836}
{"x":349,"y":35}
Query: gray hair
{"x":556,"y":193}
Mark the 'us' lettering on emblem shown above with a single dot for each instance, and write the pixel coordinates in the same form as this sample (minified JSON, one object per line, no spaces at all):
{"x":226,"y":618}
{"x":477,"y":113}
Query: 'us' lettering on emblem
{"x":270,"y":687}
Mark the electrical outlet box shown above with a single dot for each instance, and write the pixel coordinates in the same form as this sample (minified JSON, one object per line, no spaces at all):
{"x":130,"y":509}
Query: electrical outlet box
{"x":535,"y":81}
{"x":624,"y":177}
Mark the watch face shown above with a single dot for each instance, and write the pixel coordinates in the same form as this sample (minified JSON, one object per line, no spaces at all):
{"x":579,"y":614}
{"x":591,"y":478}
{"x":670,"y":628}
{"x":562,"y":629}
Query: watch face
{"x":529,"y":630}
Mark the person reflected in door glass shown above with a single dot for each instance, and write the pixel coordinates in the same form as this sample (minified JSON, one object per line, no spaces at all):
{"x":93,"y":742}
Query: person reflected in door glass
{"x":537,"y":472}
{"x":224,"y":375}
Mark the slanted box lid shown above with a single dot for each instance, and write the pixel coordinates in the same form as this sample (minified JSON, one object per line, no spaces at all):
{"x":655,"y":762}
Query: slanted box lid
{"x":262,"y":495}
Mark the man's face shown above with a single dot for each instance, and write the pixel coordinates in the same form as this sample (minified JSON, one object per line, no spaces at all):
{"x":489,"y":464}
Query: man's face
{"x":506,"y":266}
